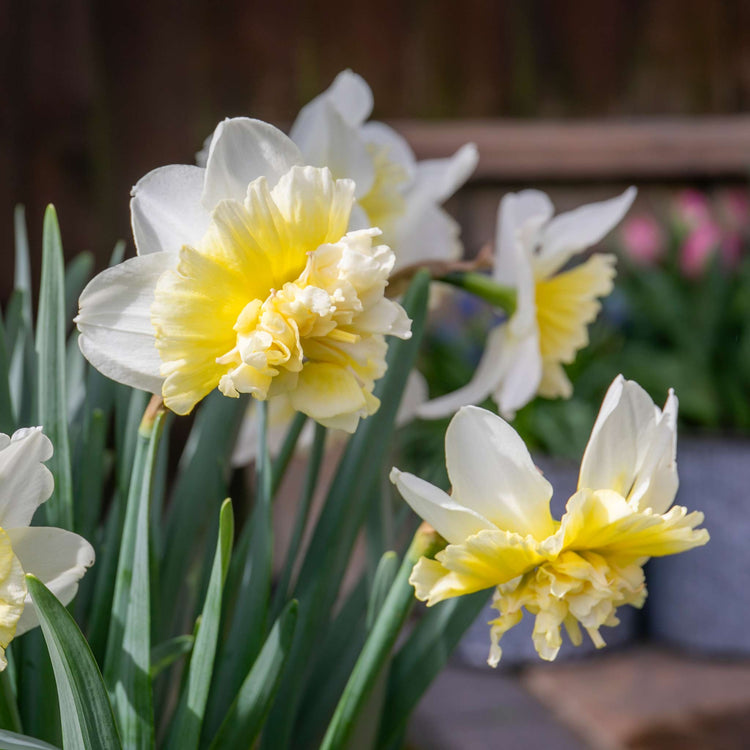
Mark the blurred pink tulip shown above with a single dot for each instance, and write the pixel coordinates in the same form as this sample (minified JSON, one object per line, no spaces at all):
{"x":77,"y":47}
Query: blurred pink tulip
{"x":693,"y":208}
{"x":643,"y":239}
{"x":699,"y":246}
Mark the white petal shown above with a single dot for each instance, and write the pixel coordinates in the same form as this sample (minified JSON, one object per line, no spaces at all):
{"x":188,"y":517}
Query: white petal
{"x":25,"y":482}
{"x":452,"y":521}
{"x":657,"y":481}
{"x":115,"y":321}
{"x":574,"y":231}
{"x":415,"y":394}
{"x":522,"y":374}
{"x":58,"y":558}
{"x":166,"y":211}
{"x":492,"y":473}
{"x":487,"y":377}
{"x":327,"y":140}
{"x":619,"y":440}
{"x":439,"y":179}
{"x":398,"y":150}
{"x":424,"y":232}
{"x":351,"y":96}
{"x":241,"y":151}
{"x":520,"y":217}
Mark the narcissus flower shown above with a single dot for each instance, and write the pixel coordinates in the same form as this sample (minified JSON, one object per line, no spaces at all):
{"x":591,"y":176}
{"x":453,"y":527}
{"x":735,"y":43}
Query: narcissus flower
{"x":394,"y":191}
{"x":571,"y":572}
{"x":57,"y":557}
{"x":524,"y":355}
{"x":247,"y":280}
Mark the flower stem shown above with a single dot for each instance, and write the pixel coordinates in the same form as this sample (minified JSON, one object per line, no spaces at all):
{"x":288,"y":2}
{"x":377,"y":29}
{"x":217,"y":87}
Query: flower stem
{"x":483,"y":286}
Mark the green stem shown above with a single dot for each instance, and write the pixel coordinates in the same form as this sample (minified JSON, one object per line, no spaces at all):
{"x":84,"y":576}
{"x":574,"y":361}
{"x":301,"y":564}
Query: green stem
{"x":483,"y":286}
{"x":377,"y":648}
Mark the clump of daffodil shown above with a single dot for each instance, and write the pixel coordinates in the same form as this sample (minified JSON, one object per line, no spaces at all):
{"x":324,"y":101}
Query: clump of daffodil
{"x":573,"y":572}
{"x":249,"y":281}
{"x":553,"y":304}
{"x":57,"y":557}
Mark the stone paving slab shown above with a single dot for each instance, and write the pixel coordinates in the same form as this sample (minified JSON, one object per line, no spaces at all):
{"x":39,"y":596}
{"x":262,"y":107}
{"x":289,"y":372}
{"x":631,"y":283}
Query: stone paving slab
{"x":649,"y":698}
{"x":480,"y":709}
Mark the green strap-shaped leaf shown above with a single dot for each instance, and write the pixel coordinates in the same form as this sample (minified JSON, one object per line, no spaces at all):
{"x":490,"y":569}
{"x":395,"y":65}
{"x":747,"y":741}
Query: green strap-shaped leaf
{"x":422,"y":657}
{"x":7,"y":418}
{"x":87,"y":718}
{"x":335,"y":533}
{"x":167,"y":653}
{"x":51,"y":387}
{"x":248,"y":622}
{"x":188,"y":720}
{"x":199,"y":489}
{"x":77,"y":275}
{"x":245,"y":718}
{"x":377,"y":649}
{"x":108,"y":556}
{"x":127,"y":665}
{"x":385,"y":574}
{"x":13,"y":741}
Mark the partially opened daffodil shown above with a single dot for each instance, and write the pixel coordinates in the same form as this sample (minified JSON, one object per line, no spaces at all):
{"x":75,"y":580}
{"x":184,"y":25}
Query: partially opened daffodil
{"x":57,"y":557}
{"x":394,"y":191}
{"x":572,"y":572}
{"x":248,"y":280}
{"x":524,"y":355}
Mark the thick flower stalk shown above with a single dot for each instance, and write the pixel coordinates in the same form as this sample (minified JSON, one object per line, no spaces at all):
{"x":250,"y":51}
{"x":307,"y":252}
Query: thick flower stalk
{"x":57,"y":557}
{"x":573,"y":572}
{"x":249,"y":281}
{"x":554,"y":305}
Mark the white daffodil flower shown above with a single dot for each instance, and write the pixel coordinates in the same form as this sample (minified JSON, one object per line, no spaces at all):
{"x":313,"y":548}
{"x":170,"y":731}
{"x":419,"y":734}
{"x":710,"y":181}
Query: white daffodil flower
{"x":247,"y":280}
{"x":524,"y":355}
{"x":571,"y":572}
{"x":57,"y":557}
{"x":395,"y":192}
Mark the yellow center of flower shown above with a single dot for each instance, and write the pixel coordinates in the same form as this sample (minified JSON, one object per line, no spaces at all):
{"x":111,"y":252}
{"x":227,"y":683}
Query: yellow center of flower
{"x":577,"y":587}
{"x":278,"y":298}
{"x":565,"y":305}
{"x":12,"y":594}
{"x":384,"y":201}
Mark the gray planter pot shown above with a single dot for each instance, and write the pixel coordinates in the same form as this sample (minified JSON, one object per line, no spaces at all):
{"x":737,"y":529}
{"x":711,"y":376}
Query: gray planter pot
{"x":517,"y":646}
{"x":700,"y":600}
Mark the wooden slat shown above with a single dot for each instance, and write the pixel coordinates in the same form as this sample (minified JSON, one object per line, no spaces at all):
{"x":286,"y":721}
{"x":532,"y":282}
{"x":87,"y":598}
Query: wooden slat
{"x":673,"y":149}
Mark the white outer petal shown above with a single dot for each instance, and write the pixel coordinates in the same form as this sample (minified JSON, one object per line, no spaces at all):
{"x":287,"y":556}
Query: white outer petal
{"x":25,"y":482}
{"x":438,"y":179}
{"x":571,"y":232}
{"x":399,"y":151}
{"x":452,"y":521}
{"x":520,"y":218}
{"x":327,"y":140}
{"x":620,"y":439}
{"x":242,"y":150}
{"x":351,"y":96}
{"x":424,"y":232}
{"x":657,"y":481}
{"x":115,"y":321}
{"x":487,"y":377}
{"x":492,"y":473}
{"x":166,"y":211}
{"x":522,"y":374}
{"x":58,"y":558}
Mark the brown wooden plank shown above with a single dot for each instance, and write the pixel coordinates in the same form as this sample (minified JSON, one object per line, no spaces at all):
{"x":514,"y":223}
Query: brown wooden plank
{"x":663,"y":148}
